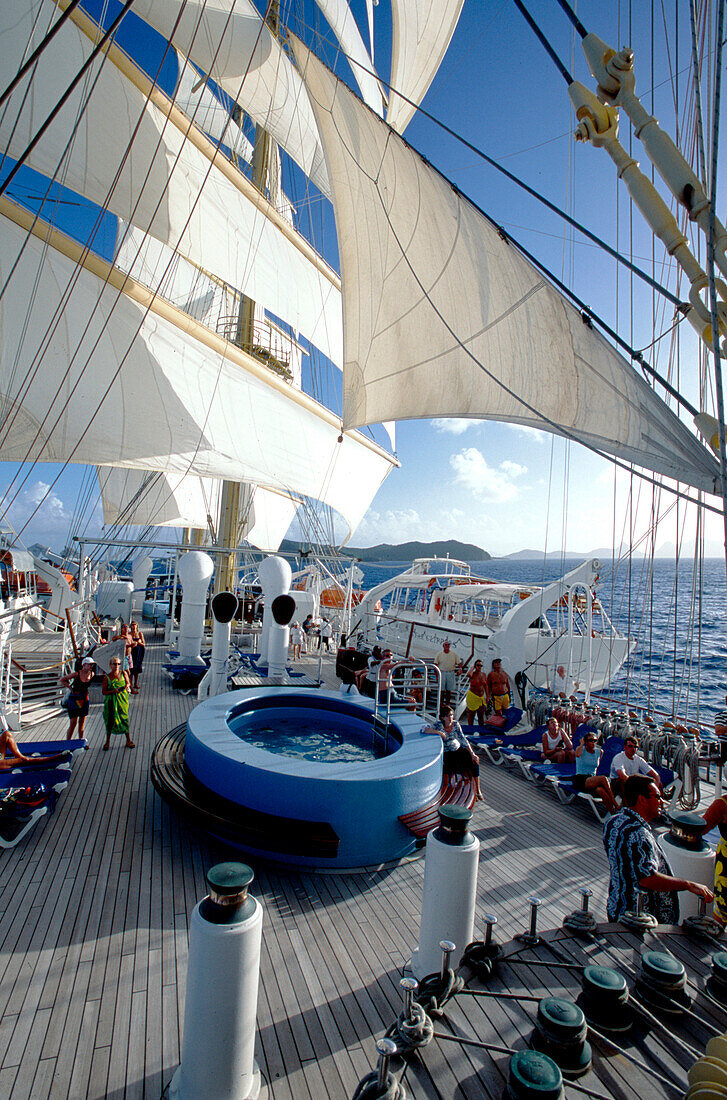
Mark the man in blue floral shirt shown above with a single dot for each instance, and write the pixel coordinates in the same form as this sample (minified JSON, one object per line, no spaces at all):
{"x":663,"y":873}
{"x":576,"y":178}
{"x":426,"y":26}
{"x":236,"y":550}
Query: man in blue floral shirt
{"x":636,"y":860}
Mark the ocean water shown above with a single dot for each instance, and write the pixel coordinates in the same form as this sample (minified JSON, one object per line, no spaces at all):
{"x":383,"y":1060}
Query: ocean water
{"x":677,"y":616}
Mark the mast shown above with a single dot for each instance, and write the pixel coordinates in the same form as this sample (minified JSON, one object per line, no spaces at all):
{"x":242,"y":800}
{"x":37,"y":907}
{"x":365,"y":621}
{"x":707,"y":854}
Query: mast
{"x":228,"y":526}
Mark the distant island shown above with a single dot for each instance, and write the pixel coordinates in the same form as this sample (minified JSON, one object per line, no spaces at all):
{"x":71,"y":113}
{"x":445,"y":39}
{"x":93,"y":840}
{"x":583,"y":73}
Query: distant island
{"x":462,"y":551}
{"x":403,"y":551}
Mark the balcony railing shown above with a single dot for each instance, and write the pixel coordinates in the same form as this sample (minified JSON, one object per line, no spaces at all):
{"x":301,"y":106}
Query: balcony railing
{"x":269,"y":346}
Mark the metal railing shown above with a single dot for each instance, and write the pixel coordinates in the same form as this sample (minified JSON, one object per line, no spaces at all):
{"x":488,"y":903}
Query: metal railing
{"x":422,"y":683}
{"x":268,"y":345}
{"x":11,"y":681}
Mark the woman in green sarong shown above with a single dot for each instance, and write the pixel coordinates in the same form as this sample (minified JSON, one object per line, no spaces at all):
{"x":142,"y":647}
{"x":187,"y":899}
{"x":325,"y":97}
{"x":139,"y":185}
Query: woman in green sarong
{"x":115,"y":689}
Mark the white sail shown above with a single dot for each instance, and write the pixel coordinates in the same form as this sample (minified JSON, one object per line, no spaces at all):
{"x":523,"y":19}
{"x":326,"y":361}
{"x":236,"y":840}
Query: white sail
{"x":149,"y":498}
{"x":228,"y":40}
{"x":444,"y":318}
{"x":342,"y":22}
{"x":272,"y":515}
{"x":422,"y":30}
{"x":370,"y":20}
{"x":144,"y":498}
{"x":193,"y":96}
{"x":166,"y":185}
{"x":124,"y":379}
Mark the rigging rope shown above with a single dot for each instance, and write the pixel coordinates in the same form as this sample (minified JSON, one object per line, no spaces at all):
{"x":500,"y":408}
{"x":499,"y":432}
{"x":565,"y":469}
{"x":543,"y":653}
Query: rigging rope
{"x":48,"y":38}
{"x":74,"y":279}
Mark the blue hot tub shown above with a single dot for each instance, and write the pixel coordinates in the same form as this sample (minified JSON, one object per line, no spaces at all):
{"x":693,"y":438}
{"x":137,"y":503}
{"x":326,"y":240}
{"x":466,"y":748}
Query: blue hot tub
{"x":315,"y":763}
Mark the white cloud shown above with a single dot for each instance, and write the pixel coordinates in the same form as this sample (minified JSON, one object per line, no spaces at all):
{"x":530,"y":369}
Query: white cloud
{"x":534,"y":434}
{"x":51,"y":506}
{"x":490,"y":483}
{"x":513,"y":469}
{"x":393,"y":525}
{"x":453,"y":425}
{"x":51,"y":521}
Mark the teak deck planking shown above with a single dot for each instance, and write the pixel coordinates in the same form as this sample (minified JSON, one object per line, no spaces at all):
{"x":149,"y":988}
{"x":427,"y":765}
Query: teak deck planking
{"x":95,"y":904}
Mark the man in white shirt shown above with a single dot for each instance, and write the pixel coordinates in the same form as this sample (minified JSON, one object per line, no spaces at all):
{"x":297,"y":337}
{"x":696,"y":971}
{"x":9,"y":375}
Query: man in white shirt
{"x":627,"y":763}
{"x":562,"y":683}
{"x":448,"y":662}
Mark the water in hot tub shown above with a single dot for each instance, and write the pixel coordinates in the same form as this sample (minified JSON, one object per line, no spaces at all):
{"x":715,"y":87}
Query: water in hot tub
{"x":309,"y":734}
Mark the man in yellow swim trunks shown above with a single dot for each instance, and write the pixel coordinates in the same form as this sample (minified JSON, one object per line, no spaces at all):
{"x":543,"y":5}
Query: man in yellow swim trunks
{"x":498,"y":682}
{"x":476,"y":698}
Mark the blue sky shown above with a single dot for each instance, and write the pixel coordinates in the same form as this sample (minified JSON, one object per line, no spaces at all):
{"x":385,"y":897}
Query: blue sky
{"x":501,"y":487}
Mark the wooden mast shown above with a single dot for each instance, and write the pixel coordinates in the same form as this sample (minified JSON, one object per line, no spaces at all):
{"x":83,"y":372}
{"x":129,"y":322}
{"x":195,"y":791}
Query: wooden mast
{"x":230,"y":518}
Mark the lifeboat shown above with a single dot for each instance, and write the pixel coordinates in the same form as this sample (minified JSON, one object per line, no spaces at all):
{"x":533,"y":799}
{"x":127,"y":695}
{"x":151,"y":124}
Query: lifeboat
{"x":336,"y":599}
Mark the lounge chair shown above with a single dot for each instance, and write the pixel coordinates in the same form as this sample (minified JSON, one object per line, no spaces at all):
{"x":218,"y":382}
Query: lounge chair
{"x":538,"y":770}
{"x":40,"y":748}
{"x":22,"y":806}
{"x":504,"y":722}
{"x":506,"y":748}
{"x":15,"y":826}
{"x":55,"y":780}
{"x":560,"y":778}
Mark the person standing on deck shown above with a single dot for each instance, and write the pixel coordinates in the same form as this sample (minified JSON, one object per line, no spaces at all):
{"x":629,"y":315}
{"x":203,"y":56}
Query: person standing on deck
{"x":115,"y":690}
{"x":137,"y":656}
{"x":297,"y":639}
{"x":325,"y":635}
{"x":307,"y":629}
{"x":498,"y":682}
{"x":477,"y":696}
{"x":77,"y":704}
{"x":448,"y":663}
{"x":124,"y":633}
{"x":636,"y":861}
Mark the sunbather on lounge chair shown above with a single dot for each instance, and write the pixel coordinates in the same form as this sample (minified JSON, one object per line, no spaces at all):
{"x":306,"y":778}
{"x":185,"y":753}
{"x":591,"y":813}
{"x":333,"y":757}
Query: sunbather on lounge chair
{"x":11,"y":756}
{"x":557,"y":745}
{"x":585,"y":779}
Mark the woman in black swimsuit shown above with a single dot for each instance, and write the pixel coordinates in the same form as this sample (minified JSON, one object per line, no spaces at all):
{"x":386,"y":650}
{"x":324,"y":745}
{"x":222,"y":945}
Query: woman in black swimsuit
{"x":77,"y":703}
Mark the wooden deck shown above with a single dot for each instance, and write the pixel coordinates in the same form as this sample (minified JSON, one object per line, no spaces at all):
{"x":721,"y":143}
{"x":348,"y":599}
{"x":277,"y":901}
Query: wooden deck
{"x":94,"y":908}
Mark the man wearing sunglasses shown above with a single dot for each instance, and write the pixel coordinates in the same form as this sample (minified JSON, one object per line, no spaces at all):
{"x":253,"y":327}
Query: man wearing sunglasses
{"x":636,"y":861}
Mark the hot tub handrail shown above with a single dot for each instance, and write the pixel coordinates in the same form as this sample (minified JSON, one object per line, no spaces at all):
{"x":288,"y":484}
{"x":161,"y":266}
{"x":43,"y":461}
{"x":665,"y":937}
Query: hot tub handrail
{"x":413,"y":663}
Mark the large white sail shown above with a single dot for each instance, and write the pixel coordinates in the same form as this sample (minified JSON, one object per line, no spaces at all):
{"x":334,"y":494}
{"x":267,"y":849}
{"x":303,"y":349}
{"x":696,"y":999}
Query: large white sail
{"x":340,"y":17}
{"x":124,"y":379}
{"x":442,"y":317}
{"x":422,"y":30}
{"x":143,"y":498}
{"x":165,"y":184}
{"x":229,"y":40}
{"x":193,"y":96}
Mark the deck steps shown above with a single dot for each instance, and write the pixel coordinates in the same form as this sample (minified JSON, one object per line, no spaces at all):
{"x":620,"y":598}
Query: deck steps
{"x":36,"y":668}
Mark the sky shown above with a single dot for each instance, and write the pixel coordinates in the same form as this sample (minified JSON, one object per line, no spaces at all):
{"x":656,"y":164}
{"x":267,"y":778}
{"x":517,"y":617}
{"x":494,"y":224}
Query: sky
{"x":501,"y":487}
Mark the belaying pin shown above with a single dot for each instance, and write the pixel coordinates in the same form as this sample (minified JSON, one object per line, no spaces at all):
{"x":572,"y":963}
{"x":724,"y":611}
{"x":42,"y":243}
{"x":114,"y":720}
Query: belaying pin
{"x":531,"y":937}
{"x":447,"y":948}
{"x":387,"y":1049}
{"x":409,"y":987}
{"x":490,"y":921}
